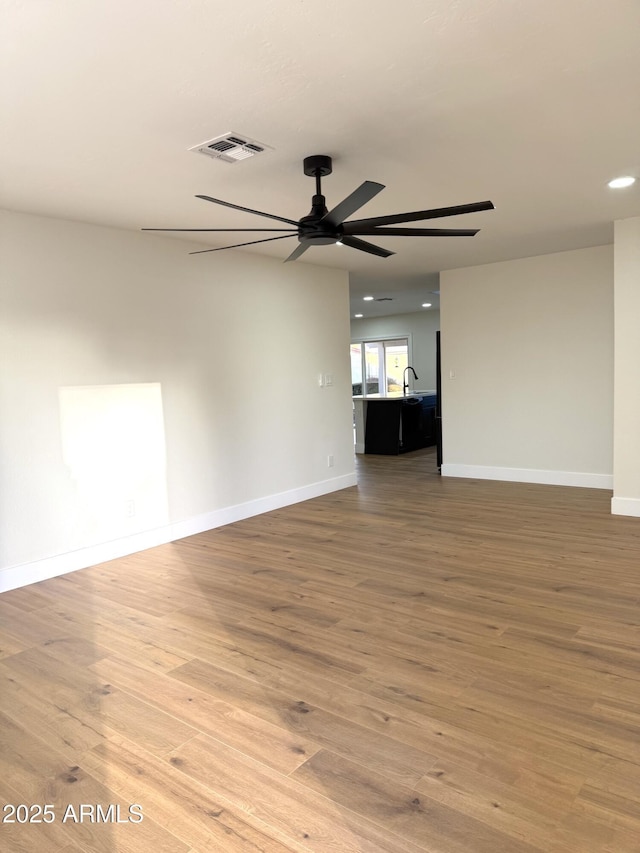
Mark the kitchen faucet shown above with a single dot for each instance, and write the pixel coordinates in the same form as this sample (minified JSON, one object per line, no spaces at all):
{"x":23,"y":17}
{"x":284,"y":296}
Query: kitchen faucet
{"x":405,"y":384}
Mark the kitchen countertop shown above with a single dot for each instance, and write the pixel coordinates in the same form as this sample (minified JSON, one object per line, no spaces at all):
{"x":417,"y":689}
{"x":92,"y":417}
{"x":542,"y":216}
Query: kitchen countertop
{"x":396,"y":396}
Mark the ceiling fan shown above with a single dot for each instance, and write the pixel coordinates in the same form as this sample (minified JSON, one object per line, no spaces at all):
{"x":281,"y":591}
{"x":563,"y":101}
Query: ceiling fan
{"x":322,"y":227}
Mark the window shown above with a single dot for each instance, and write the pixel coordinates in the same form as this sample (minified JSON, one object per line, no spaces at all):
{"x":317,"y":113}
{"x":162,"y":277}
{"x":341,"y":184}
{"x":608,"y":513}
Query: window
{"x":377,"y":367}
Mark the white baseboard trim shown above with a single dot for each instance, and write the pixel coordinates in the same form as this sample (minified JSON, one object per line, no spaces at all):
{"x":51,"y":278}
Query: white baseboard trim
{"x":529,"y":475}
{"x":359,"y":446}
{"x":28,"y":573}
{"x":625,"y":506}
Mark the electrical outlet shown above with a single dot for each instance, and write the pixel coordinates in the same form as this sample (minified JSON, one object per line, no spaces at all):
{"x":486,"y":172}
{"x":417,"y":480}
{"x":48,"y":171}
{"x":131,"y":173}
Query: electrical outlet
{"x":330,"y":461}
{"x":452,"y":374}
{"x":130,"y":508}
{"x":328,"y":379}
{"x":320,"y":380}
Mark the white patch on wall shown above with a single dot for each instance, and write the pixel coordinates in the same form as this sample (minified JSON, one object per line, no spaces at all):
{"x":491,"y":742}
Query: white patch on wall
{"x":113,"y":445}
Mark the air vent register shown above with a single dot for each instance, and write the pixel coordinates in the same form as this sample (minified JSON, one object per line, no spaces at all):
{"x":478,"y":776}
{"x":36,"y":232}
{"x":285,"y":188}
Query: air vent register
{"x":231,"y":148}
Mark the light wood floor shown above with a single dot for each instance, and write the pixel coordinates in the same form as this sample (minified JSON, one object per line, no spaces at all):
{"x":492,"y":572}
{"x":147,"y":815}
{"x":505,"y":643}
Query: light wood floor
{"x":416,"y":664}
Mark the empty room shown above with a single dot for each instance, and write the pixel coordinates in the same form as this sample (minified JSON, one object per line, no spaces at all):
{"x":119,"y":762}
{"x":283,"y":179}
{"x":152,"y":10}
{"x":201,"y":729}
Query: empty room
{"x":319,"y":469}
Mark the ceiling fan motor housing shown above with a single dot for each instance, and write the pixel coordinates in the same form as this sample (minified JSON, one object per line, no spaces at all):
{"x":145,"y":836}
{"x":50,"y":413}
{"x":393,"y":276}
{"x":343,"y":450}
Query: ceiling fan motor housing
{"x":318,"y":236}
{"x":311,"y":228}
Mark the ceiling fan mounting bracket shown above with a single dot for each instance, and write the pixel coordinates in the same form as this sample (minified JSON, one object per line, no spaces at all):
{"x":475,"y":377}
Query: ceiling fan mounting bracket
{"x":318,"y":164}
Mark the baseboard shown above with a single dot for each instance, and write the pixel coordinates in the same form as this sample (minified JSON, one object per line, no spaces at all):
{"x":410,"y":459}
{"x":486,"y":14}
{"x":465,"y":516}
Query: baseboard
{"x":530,"y":475}
{"x":625,"y":506}
{"x":28,"y":573}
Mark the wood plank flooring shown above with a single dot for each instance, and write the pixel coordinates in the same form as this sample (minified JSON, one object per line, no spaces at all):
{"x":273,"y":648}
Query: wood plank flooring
{"x":415,"y":664}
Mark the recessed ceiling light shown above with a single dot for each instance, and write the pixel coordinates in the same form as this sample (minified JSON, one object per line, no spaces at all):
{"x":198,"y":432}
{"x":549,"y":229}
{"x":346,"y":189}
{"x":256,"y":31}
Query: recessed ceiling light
{"x":358,"y":315}
{"x":620,"y":183}
{"x":426,"y":305}
{"x":368,"y":298}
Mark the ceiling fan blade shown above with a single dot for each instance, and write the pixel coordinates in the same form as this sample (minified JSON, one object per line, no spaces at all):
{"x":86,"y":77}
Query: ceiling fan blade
{"x":290,"y":230}
{"x":417,"y":215}
{"x":365,"y":247}
{"x":300,"y":248}
{"x":410,"y":232}
{"x":247,"y":209}
{"x":237,"y":245}
{"x":353,"y":202}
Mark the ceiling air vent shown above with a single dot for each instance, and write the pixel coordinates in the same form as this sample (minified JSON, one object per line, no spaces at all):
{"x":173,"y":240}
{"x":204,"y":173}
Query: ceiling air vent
{"x":231,"y":147}
{"x":385,"y":299}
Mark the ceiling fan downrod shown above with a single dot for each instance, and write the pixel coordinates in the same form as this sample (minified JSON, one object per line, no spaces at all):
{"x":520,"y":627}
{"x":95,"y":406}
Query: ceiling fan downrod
{"x":317,"y":166}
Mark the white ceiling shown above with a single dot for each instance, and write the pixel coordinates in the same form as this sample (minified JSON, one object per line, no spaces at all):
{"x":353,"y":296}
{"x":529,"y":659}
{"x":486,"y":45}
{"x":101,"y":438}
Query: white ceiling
{"x":532,"y":105}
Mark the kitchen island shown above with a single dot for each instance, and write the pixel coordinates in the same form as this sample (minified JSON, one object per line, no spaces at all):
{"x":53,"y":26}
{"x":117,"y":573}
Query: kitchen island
{"x":396,"y":423}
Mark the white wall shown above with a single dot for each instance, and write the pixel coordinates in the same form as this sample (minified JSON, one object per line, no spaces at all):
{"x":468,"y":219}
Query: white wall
{"x":531,"y":345}
{"x":121,"y":356}
{"x":626,"y":457}
{"x":421,"y":327}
